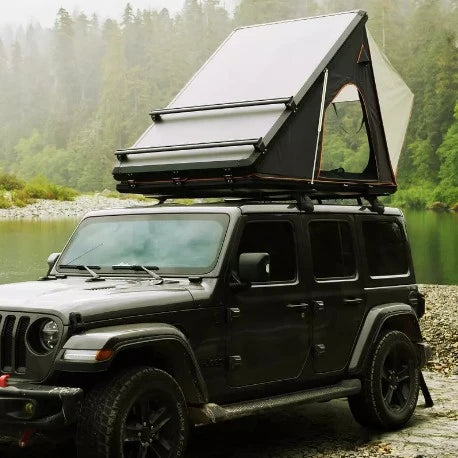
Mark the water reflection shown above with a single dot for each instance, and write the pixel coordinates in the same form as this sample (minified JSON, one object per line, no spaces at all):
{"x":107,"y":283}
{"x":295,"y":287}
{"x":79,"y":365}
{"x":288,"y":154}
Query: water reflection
{"x":25,"y":246}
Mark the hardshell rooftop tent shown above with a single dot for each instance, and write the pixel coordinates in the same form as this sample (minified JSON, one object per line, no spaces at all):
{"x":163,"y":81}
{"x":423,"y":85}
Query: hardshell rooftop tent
{"x":307,"y":106}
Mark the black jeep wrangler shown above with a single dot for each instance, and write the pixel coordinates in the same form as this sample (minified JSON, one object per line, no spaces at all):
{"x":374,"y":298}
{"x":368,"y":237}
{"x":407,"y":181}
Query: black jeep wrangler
{"x":158,"y":318}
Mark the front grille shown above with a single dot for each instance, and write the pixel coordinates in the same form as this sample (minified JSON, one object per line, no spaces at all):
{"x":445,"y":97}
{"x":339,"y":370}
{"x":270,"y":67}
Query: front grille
{"x":20,"y":348}
{"x":13,"y":350}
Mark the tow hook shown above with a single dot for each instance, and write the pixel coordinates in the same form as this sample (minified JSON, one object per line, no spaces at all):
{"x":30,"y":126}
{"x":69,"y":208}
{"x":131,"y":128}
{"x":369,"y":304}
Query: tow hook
{"x":26,"y":436}
{"x":4,"y":381}
{"x":425,"y":390}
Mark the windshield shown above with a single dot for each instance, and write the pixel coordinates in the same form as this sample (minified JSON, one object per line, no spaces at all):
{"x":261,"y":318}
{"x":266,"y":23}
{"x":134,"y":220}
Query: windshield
{"x":173,"y":243}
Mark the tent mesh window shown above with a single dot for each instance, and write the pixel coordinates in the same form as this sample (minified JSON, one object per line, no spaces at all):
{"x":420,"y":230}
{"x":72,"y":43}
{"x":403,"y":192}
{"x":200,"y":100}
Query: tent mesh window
{"x":346,"y":150}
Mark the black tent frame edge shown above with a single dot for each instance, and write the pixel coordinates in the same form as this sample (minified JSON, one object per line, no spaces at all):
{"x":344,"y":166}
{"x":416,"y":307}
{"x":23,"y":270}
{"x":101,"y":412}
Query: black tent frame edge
{"x":301,"y":190}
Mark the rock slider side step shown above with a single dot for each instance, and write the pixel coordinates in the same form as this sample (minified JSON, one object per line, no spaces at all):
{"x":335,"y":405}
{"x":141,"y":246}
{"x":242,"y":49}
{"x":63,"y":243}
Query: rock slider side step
{"x":214,"y":413}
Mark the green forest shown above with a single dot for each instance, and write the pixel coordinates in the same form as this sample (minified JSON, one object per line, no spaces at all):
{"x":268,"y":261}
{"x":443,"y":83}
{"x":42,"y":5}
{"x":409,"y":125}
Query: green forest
{"x":73,"y":94}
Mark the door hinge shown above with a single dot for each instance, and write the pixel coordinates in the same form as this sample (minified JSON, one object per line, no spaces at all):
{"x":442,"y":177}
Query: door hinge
{"x":318,"y":306}
{"x":320,"y":349}
{"x":233,"y":314}
{"x":235,"y":361}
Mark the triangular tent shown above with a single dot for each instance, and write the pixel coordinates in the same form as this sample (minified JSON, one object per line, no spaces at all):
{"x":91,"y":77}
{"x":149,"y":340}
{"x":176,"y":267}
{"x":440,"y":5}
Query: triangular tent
{"x":287,"y":107}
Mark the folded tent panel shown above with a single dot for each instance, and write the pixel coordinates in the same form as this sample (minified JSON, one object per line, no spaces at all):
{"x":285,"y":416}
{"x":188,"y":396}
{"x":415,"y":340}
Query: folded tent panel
{"x":253,"y":118}
{"x":396,"y":101}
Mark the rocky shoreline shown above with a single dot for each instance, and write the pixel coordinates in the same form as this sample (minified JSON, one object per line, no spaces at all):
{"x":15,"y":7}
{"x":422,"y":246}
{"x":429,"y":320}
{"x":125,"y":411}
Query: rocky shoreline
{"x":53,"y":209}
{"x":440,"y":327}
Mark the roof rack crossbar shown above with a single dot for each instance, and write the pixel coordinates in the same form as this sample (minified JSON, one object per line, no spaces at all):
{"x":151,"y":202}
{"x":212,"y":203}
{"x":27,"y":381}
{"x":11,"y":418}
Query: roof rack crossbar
{"x":289,"y":102}
{"x":256,"y":143}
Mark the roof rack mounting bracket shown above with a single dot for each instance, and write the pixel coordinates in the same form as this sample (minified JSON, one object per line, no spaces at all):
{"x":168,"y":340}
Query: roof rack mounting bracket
{"x":305,"y":204}
{"x":289,"y":103}
{"x":375,"y":205}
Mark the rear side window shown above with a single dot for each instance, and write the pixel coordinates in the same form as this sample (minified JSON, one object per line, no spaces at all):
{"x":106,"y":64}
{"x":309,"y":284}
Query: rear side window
{"x":385,"y":248}
{"x":277,"y":239}
{"x":332,"y":250}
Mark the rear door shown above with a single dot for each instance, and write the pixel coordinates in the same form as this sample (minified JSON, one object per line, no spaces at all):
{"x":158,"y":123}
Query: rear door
{"x":269,"y":323}
{"x":336,"y":289}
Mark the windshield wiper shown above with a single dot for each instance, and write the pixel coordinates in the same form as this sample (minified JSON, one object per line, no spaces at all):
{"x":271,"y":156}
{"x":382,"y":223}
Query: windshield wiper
{"x":137,"y":268}
{"x":95,"y":276}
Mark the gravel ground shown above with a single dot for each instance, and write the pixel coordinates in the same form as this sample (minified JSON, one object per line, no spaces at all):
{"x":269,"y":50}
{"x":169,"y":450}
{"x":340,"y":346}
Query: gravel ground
{"x":440,"y":327}
{"x":317,"y":430}
{"x":50,"y":209}
{"x":328,"y":429}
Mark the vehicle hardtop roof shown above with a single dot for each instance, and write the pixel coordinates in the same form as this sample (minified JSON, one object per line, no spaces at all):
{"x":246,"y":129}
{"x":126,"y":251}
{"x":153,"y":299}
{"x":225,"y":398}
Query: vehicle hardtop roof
{"x":240,"y":207}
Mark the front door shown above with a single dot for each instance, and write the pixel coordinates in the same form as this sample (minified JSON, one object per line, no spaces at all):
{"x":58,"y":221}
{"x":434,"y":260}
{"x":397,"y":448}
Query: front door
{"x":269,"y":323}
{"x":336,"y":290}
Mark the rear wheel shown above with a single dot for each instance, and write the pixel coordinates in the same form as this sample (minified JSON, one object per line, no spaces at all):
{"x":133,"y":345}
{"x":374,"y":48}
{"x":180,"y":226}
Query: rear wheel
{"x":138,"y":414}
{"x":390,"y":385}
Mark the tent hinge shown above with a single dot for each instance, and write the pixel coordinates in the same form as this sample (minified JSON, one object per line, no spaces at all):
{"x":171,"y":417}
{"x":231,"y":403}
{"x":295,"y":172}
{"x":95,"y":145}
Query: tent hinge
{"x":261,"y":146}
{"x":176,"y":179}
{"x":291,"y":105}
{"x":229,"y":178}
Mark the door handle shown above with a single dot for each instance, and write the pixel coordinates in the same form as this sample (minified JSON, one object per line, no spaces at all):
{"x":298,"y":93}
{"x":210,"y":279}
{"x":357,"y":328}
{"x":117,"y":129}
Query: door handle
{"x":355,"y":301}
{"x":298,"y":307}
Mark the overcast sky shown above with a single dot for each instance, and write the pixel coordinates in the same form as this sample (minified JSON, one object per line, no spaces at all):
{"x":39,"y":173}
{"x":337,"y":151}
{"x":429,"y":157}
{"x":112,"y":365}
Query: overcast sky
{"x":44,"y":11}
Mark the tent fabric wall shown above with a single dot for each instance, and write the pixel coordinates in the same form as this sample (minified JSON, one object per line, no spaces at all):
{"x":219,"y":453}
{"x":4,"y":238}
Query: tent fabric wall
{"x":291,"y":153}
{"x":396,"y":101}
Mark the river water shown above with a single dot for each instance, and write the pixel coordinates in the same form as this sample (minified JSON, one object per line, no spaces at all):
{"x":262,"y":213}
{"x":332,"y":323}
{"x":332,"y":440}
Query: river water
{"x":25,"y":246}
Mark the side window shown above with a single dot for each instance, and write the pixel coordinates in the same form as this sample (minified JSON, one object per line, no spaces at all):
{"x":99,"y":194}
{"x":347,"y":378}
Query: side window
{"x":385,"y":248}
{"x":332,"y":250}
{"x":277,"y":239}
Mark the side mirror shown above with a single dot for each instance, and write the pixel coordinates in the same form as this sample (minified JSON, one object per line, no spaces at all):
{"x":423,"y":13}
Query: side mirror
{"x":254,"y":267}
{"x":52,"y":259}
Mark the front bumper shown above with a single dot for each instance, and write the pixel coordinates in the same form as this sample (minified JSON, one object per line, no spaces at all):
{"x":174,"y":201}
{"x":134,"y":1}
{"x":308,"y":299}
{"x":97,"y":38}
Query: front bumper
{"x":40,"y":407}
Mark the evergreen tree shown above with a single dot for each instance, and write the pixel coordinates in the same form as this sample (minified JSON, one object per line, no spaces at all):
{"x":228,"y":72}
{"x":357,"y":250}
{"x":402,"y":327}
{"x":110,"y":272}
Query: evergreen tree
{"x":71,"y":95}
{"x":67,"y":90}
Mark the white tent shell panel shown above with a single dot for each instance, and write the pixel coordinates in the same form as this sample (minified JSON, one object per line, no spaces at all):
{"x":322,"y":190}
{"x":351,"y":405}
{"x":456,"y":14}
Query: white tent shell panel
{"x":258,"y":62}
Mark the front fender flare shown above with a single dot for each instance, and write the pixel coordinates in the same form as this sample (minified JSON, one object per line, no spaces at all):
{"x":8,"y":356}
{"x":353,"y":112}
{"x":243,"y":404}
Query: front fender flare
{"x":167,"y":339}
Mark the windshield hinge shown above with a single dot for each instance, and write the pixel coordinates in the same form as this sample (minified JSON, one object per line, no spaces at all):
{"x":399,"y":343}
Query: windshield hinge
{"x":76,"y":323}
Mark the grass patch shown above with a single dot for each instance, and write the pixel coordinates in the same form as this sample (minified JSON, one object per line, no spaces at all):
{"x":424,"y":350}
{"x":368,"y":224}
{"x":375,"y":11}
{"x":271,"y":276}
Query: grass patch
{"x":10,"y":182}
{"x":40,"y":188}
{"x":118,"y":195}
{"x":425,"y":197}
{"x":16,"y":193}
{"x":5,"y":202}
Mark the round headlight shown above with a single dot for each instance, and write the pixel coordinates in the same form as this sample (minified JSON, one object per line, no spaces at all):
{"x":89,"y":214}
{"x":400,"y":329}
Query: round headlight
{"x":49,"y":334}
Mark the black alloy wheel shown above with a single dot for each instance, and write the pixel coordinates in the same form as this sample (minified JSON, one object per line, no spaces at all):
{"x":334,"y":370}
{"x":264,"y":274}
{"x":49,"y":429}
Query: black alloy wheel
{"x":397,"y":373}
{"x":390,"y":384}
{"x":140,"y":412}
{"x":150,"y":429}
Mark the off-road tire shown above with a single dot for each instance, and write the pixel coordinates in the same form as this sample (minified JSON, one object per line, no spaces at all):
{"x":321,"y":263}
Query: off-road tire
{"x":107,"y":408}
{"x":371,"y":408}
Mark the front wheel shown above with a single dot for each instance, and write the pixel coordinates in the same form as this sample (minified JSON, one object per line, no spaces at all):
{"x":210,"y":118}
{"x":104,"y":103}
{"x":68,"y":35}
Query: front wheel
{"x":390,"y":385}
{"x":140,"y":413}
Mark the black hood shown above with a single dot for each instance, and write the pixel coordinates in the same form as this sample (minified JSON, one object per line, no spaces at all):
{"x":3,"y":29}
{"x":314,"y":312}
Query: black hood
{"x":113,"y":298}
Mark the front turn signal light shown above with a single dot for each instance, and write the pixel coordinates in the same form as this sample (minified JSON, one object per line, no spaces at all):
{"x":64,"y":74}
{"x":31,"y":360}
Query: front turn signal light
{"x":104,"y":355}
{"x":87,"y":355}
